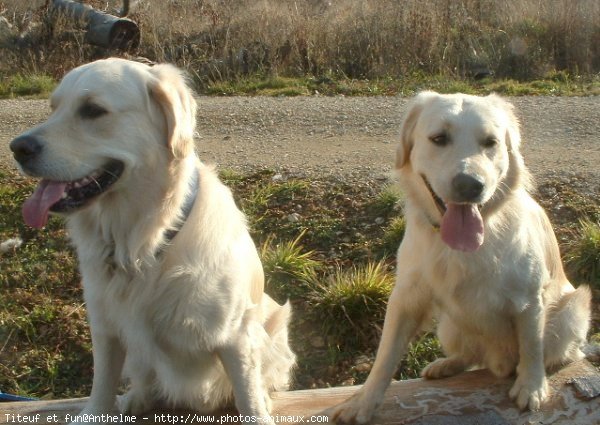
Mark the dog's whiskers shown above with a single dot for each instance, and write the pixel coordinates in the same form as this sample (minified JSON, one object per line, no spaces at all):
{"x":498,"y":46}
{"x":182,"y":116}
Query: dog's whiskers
{"x":97,"y":183}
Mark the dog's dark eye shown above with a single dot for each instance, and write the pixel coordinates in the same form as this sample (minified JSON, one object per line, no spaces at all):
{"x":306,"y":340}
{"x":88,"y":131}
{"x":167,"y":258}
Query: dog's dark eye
{"x":489,"y":142}
{"x":440,"y":139}
{"x":91,"y":111}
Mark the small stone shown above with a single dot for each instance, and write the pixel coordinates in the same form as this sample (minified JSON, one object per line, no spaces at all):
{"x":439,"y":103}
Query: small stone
{"x":293,"y":218}
{"x":587,"y":387}
{"x":347,"y":382}
{"x":363,"y":367}
{"x":11,"y":244}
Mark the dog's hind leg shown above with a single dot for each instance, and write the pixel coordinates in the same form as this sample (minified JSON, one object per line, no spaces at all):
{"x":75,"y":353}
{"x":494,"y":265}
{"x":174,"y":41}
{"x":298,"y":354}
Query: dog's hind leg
{"x":140,"y":396}
{"x":242,"y":362}
{"x":457,"y":349}
{"x":278,"y":358}
{"x":444,"y":367}
{"x":567,"y":325}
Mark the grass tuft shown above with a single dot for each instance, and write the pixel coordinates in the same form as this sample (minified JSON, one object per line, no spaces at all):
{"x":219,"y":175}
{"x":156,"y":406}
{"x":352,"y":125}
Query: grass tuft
{"x":420,"y":353}
{"x":387,"y":201}
{"x":357,"y":297}
{"x":583,"y":254}
{"x":287,"y":267}
{"x":392,"y":236}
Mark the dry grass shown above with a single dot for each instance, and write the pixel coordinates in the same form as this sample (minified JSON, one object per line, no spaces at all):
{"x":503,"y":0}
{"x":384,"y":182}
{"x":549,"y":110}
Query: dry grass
{"x":222,"y":40}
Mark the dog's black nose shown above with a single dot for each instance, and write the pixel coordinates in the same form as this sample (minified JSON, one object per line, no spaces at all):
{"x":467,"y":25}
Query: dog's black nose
{"x":467,"y":188}
{"x":25,"y":148}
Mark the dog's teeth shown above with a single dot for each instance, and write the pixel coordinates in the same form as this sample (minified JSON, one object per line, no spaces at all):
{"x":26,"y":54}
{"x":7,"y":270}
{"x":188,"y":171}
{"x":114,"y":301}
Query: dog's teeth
{"x":84,"y":181}
{"x":76,"y":185}
{"x":64,"y":195}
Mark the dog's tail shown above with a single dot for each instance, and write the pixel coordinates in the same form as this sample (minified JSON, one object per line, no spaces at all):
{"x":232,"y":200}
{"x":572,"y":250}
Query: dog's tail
{"x":567,"y":325}
{"x":279,"y":358}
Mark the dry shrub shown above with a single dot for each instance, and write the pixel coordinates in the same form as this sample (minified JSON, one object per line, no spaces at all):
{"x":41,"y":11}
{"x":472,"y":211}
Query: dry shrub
{"x":225,"y":39}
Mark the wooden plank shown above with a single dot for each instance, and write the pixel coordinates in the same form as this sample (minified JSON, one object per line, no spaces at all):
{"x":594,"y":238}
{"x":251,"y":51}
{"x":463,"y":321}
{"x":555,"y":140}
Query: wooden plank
{"x":474,"y":397}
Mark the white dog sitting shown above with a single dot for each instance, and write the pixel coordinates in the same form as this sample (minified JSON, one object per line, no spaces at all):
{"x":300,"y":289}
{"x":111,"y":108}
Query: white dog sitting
{"x":172,"y":280}
{"x":479,"y":255}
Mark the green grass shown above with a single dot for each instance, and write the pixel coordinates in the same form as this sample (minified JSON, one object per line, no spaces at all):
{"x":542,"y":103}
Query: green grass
{"x":231,"y":177}
{"x":44,"y":341}
{"x":392,"y":236}
{"x":288,"y":266}
{"x":39,"y":86}
{"x":421,"y":352}
{"x":551,"y":85}
{"x":325,"y":263}
{"x":265,"y":86}
{"x":583,"y":255}
{"x":356,"y":296}
{"x":387,"y":201}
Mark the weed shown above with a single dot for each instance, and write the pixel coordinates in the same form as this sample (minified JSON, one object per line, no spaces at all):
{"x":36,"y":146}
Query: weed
{"x":356,"y":297}
{"x":392,"y":236}
{"x":266,"y":86}
{"x":231,"y":177}
{"x":583,"y":254}
{"x":274,"y":192}
{"x":31,"y":85}
{"x":43,"y":351}
{"x":323,"y":262}
{"x":270,"y":194}
{"x":387,"y":201}
{"x":345,"y":47}
{"x":287,"y":267}
{"x":421,"y":352}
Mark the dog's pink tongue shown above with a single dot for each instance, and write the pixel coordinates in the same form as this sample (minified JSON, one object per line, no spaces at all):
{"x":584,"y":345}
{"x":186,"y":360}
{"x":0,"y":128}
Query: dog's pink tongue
{"x":462,"y":227}
{"x":35,"y":209}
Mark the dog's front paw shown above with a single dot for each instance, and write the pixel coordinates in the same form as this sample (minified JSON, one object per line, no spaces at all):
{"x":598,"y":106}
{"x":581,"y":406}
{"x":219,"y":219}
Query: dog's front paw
{"x":443,"y":368}
{"x":358,"y":409}
{"x":529,"y":393}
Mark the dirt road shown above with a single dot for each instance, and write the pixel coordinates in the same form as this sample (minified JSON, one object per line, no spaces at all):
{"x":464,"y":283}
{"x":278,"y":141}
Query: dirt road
{"x":351,"y":137}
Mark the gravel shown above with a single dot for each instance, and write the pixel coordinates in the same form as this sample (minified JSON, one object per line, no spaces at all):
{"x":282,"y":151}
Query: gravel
{"x":352,"y":138}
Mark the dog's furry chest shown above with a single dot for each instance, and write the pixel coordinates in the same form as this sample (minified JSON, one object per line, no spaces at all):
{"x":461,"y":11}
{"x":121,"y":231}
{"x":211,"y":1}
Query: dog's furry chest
{"x":484,"y":292}
{"x":143,"y":306}
{"x":467,"y":297}
{"x":478,"y":291}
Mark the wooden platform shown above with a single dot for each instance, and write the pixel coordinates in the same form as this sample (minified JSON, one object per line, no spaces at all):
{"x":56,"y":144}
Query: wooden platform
{"x":467,"y":399}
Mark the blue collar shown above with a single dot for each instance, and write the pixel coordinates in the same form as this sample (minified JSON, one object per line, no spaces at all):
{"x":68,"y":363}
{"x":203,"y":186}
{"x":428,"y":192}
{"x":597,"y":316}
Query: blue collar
{"x":186,"y":209}
{"x":170,"y":234}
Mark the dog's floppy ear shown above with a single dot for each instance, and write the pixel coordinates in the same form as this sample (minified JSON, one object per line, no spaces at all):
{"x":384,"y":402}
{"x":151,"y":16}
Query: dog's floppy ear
{"x":513,"y":134}
{"x":517,"y":173}
{"x":408,"y":126}
{"x":170,"y":91}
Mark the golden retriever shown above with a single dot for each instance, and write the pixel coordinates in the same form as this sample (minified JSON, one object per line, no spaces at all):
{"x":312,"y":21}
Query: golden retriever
{"x":479,"y":256}
{"x":172,"y":281}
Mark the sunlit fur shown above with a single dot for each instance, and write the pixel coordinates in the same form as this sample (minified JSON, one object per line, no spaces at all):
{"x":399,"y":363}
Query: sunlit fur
{"x":186,"y":320}
{"x":507,"y":306}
